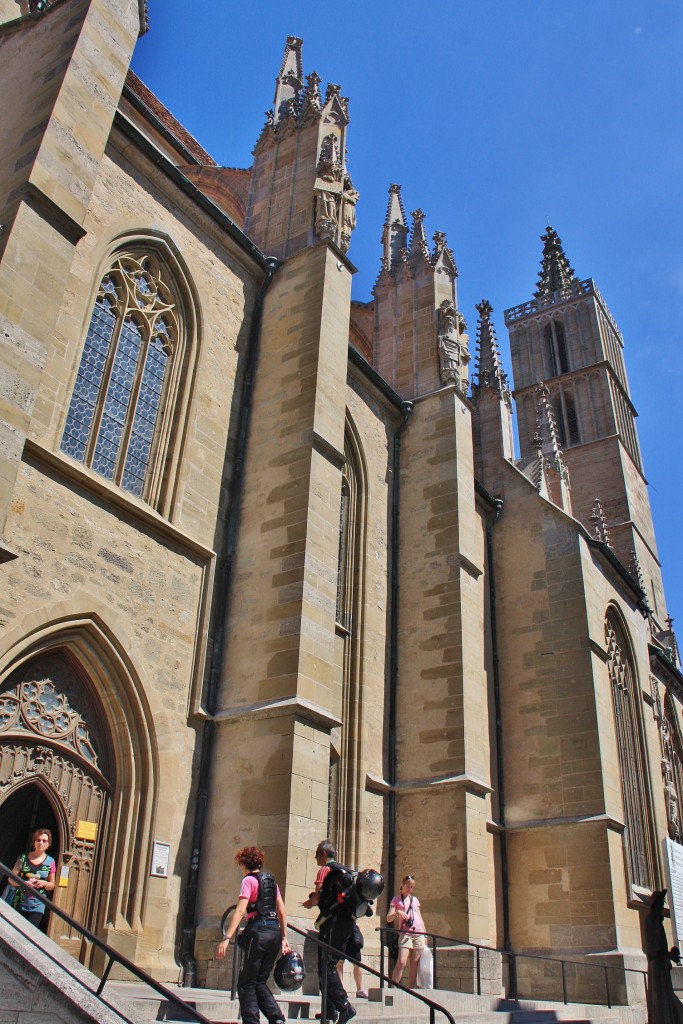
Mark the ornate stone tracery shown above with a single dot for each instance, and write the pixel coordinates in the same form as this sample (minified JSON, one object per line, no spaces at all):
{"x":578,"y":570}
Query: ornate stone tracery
{"x":672,"y":757}
{"x":47,"y":702}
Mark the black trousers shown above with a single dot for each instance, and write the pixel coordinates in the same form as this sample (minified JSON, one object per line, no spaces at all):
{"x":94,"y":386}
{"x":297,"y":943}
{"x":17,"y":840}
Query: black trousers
{"x":338,"y":932}
{"x":260,"y":950}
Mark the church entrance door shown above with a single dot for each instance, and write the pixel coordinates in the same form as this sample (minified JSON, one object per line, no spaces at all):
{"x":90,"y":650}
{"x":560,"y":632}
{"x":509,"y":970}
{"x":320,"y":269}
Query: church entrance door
{"x":52,"y":752}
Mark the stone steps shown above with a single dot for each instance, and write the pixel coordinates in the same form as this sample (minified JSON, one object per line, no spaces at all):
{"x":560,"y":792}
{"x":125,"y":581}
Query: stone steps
{"x":389,"y":1005}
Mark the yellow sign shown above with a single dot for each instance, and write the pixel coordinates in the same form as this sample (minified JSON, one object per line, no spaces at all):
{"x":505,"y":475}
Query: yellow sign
{"x":63,"y":876}
{"x":86,"y":830}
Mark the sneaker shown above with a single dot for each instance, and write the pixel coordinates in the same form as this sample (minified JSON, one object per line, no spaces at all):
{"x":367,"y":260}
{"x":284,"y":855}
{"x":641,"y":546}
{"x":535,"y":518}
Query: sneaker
{"x":346,"y":1014}
{"x":361,"y":994}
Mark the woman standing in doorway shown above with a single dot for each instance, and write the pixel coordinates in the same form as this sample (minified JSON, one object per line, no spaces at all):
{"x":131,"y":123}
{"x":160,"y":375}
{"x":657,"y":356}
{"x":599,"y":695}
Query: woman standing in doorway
{"x":411,"y":941}
{"x":38,"y":869}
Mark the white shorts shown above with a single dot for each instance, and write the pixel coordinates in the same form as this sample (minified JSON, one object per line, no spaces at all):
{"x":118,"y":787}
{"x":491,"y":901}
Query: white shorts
{"x":409,"y":940}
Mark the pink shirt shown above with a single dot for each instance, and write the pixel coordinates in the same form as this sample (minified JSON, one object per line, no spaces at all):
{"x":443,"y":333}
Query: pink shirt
{"x":249,"y":891}
{"x":404,"y":903}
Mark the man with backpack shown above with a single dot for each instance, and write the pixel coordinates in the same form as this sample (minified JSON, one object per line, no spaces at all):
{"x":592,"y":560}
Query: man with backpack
{"x":336,"y":920}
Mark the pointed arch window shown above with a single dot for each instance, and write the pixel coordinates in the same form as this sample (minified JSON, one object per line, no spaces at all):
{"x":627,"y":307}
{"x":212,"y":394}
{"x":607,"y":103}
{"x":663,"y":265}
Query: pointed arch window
{"x":346,"y":781}
{"x":672,"y":767}
{"x":641,"y":856}
{"x":556,"y":347}
{"x":116,"y":411}
{"x":566,"y":419}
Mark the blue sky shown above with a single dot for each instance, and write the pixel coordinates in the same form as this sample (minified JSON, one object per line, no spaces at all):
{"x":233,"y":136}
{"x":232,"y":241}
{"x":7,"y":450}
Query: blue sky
{"x":497,"y":118}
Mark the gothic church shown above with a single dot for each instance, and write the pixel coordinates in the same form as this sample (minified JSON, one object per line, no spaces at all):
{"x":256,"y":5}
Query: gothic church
{"x":273,"y":566}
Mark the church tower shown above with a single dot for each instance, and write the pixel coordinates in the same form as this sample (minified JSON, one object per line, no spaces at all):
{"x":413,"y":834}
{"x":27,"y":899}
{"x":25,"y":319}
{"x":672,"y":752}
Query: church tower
{"x":566,"y":338}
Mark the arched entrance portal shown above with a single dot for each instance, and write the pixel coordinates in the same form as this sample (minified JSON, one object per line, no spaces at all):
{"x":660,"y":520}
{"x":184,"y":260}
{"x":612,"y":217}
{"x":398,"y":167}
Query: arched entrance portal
{"x":56,"y":765}
{"x":24,"y":811}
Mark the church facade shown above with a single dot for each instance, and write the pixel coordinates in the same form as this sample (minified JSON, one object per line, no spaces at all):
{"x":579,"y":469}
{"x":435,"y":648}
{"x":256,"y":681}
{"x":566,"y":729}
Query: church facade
{"x":273,"y":569}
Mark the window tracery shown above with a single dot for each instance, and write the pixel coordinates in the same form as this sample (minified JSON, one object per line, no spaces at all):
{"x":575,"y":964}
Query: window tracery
{"x":556,"y":347}
{"x":46,"y":701}
{"x":639,"y":837}
{"x":113,"y":420}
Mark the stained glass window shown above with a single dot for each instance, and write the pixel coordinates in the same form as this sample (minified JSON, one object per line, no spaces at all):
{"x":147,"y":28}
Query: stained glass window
{"x":118,"y":398}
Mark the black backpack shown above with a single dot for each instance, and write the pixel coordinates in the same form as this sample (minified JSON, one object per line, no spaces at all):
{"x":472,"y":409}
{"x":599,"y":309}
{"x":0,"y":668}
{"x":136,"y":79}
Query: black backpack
{"x":339,"y":895}
{"x":266,"y":901}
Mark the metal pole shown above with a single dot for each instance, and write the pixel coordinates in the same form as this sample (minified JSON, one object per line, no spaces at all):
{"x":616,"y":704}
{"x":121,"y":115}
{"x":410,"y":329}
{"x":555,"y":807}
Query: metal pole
{"x":381,"y":958}
{"x":323,"y":989}
{"x":564,"y":984}
{"x":103,"y":982}
{"x":478,"y":970}
{"x":235,"y":972}
{"x":435,"y":975}
{"x":513,"y":974}
{"x":609,"y":997}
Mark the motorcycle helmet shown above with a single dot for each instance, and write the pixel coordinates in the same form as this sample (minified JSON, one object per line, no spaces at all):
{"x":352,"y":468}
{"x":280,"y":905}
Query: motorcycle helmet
{"x":289,"y":972}
{"x":369,"y":884}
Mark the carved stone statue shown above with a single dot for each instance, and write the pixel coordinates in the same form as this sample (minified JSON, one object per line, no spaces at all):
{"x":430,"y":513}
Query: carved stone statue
{"x":349,"y":199}
{"x":326,"y":214}
{"x":663,"y":1005}
{"x":448,"y":344}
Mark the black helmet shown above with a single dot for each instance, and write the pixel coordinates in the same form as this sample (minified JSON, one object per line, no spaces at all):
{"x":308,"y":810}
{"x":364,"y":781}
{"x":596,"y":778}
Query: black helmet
{"x":369,"y":884}
{"x":289,"y":972}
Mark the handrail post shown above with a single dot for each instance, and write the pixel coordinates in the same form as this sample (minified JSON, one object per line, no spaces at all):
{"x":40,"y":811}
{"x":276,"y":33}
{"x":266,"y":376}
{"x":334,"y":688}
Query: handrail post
{"x":564,"y":983}
{"x":323,"y":987}
{"x":381,"y":958}
{"x":105,"y":975}
{"x":435,"y":972}
{"x":512,"y":971}
{"x":607,"y":991}
{"x":478,"y":949}
{"x":233,"y":981}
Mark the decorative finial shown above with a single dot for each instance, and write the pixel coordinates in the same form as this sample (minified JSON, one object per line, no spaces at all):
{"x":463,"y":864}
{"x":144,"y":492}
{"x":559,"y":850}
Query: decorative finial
{"x":490,"y":373}
{"x":555,"y":274}
{"x":597,"y":517}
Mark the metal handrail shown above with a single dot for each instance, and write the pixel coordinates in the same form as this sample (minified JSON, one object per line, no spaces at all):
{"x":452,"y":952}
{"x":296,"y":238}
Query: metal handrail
{"x":433,"y":1006}
{"x":514,"y":956}
{"x":113,"y":955}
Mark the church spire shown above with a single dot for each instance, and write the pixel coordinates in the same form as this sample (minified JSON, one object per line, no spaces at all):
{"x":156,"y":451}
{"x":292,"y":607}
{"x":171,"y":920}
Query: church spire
{"x":395,"y":233}
{"x":556,"y":273}
{"x":289,"y":82}
{"x":418,"y":237}
{"x":490,"y":372}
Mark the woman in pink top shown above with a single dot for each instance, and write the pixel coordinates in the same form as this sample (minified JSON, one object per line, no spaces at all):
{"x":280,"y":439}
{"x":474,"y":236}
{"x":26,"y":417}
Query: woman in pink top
{"x":405,"y":908}
{"x":264,"y":938}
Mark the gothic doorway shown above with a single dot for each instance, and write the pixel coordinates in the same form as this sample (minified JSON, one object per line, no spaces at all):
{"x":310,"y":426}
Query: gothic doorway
{"x":56,"y":766}
{"x":24,"y":811}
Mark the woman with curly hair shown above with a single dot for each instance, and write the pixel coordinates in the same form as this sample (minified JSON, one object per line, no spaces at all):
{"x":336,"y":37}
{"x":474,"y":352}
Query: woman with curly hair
{"x":263,"y":939}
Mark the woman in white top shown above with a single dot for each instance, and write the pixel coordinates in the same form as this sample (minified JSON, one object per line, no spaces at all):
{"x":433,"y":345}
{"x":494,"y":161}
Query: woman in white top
{"x":405,"y":908}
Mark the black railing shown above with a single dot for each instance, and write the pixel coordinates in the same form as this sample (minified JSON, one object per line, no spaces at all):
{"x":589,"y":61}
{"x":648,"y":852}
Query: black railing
{"x":434,"y":1007}
{"x":513,"y":957}
{"x":112,"y":955}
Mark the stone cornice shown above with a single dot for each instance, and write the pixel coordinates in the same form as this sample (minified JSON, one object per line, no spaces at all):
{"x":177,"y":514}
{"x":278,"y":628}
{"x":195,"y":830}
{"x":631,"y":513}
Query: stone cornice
{"x":614,"y":824}
{"x":376,"y":784}
{"x":285,"y":707}
{"x":328,"y":451}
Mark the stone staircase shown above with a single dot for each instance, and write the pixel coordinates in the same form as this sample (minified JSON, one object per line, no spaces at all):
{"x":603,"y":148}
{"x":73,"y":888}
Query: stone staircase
{"x":42,"y":984}
{"x":389,"y":1005}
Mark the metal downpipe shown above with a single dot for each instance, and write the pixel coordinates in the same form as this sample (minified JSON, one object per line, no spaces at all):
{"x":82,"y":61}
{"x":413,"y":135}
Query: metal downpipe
{"x":406,"y":409}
